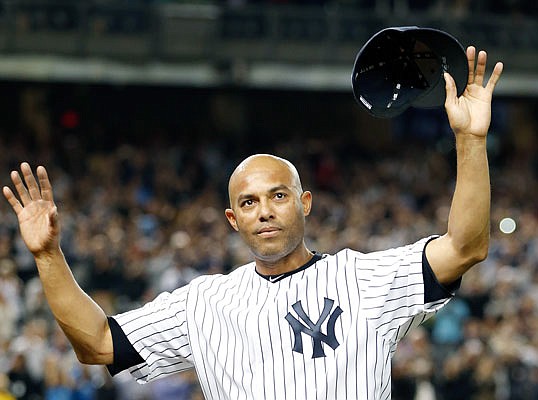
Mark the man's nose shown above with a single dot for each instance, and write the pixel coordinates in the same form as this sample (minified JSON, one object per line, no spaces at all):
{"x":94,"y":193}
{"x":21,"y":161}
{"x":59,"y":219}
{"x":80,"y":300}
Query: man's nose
{"x":266,"y":210}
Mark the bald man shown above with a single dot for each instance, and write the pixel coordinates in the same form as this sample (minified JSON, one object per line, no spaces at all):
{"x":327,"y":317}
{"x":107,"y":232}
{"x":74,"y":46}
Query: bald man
{"x":268,"y":208}
{"x":293,"y":323}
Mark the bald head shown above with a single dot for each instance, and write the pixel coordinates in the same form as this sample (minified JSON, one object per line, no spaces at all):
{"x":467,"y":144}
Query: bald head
{"x":259,"y":164}
{"x":268,"y":208}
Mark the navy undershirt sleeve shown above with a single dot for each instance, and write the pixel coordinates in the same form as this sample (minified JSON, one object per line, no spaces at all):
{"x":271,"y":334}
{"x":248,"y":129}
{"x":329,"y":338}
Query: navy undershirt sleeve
{"x":125,"y":355}
{"x":433,"y":290}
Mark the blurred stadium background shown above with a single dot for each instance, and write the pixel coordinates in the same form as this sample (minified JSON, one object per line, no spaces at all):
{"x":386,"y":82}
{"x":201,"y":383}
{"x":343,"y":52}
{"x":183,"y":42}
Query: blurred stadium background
{"x":140,"y":110}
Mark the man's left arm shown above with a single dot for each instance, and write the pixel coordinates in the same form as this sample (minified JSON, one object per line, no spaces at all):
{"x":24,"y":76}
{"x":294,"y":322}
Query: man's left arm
{"x":467,"y":239}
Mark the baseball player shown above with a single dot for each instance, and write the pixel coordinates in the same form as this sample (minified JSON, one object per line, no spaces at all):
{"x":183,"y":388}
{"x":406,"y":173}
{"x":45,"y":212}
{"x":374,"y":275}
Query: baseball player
{"x":293,"y":323}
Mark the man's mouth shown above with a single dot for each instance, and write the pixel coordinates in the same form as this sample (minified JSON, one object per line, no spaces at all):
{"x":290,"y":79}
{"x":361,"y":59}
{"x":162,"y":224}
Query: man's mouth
{"x":268,"y":231}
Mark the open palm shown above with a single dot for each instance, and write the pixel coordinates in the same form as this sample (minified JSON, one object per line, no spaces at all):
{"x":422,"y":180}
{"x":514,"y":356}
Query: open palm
{"x":35,"y":209}
{"x":471,"y":112}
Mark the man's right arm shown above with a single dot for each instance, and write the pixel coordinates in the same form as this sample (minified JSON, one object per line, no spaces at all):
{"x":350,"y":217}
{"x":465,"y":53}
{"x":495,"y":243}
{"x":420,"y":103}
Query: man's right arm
{"x":82,"y":320}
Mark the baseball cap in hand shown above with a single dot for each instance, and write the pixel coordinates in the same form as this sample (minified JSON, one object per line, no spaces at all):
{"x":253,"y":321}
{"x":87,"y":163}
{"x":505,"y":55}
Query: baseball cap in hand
{"x":400,"y":67}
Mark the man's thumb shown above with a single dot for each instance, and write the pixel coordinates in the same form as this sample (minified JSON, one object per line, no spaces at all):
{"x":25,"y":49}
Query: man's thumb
{"x":53,"y":218}
{"x":450,"y":87}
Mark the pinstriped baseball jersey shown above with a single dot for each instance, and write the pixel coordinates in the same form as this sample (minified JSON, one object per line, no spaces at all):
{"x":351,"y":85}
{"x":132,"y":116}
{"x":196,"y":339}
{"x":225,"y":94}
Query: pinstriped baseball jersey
{"x":327,"y":331}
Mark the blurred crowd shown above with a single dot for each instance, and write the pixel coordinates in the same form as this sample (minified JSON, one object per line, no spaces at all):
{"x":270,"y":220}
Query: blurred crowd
{"x":144,"y":216}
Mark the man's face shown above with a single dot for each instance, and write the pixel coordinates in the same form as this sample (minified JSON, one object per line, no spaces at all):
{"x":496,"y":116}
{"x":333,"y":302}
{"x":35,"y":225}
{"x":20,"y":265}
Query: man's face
{"x":268,"y":207}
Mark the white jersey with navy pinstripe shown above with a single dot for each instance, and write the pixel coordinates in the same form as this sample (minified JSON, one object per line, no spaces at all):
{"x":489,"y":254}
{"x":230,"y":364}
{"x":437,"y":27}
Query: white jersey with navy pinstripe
{"x":326,"y":332}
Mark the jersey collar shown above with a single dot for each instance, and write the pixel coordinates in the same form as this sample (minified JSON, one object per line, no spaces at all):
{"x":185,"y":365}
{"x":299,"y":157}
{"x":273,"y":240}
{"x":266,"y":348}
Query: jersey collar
{"x":278,"y":277}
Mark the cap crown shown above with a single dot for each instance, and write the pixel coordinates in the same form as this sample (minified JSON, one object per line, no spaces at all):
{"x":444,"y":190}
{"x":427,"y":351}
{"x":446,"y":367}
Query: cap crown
{"x":400,"y":67}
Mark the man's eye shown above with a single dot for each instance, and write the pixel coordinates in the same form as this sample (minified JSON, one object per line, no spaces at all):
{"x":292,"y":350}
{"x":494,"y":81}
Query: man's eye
{"x":280,"y":195}
{"x":247,"y":203}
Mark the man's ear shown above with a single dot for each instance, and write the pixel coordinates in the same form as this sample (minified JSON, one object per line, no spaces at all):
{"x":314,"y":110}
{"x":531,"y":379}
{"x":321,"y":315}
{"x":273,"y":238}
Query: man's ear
{"x":230,"y":216}
{"x":306,"y":200}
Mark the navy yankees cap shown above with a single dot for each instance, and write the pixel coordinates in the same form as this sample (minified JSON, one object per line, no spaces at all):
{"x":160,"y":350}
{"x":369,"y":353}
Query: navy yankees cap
{"x":402,"y":67}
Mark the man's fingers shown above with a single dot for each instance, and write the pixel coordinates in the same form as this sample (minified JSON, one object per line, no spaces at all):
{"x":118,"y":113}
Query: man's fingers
{"x":480,"y":67}
{"x":477,"y":69}
{"x":12,"y":199}
{"x":31,"y":183}
{"x":44,"y":183}
{"x":495,"y":76}
{"x":471,"y":54}
{"x":21,"y":189}
{"x":29,"y":189}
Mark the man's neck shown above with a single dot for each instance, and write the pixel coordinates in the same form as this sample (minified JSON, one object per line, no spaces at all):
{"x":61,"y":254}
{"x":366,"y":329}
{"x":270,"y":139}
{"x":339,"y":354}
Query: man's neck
{"x":285,"y":264}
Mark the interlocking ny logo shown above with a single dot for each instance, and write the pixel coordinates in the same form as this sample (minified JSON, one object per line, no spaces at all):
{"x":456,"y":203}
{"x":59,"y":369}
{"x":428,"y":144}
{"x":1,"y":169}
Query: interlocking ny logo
{"x":314,"y":329}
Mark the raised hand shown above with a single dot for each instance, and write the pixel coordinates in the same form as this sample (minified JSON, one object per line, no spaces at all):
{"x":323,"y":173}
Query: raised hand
{"x":471,"y":112}
{"x":35,"y":209}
